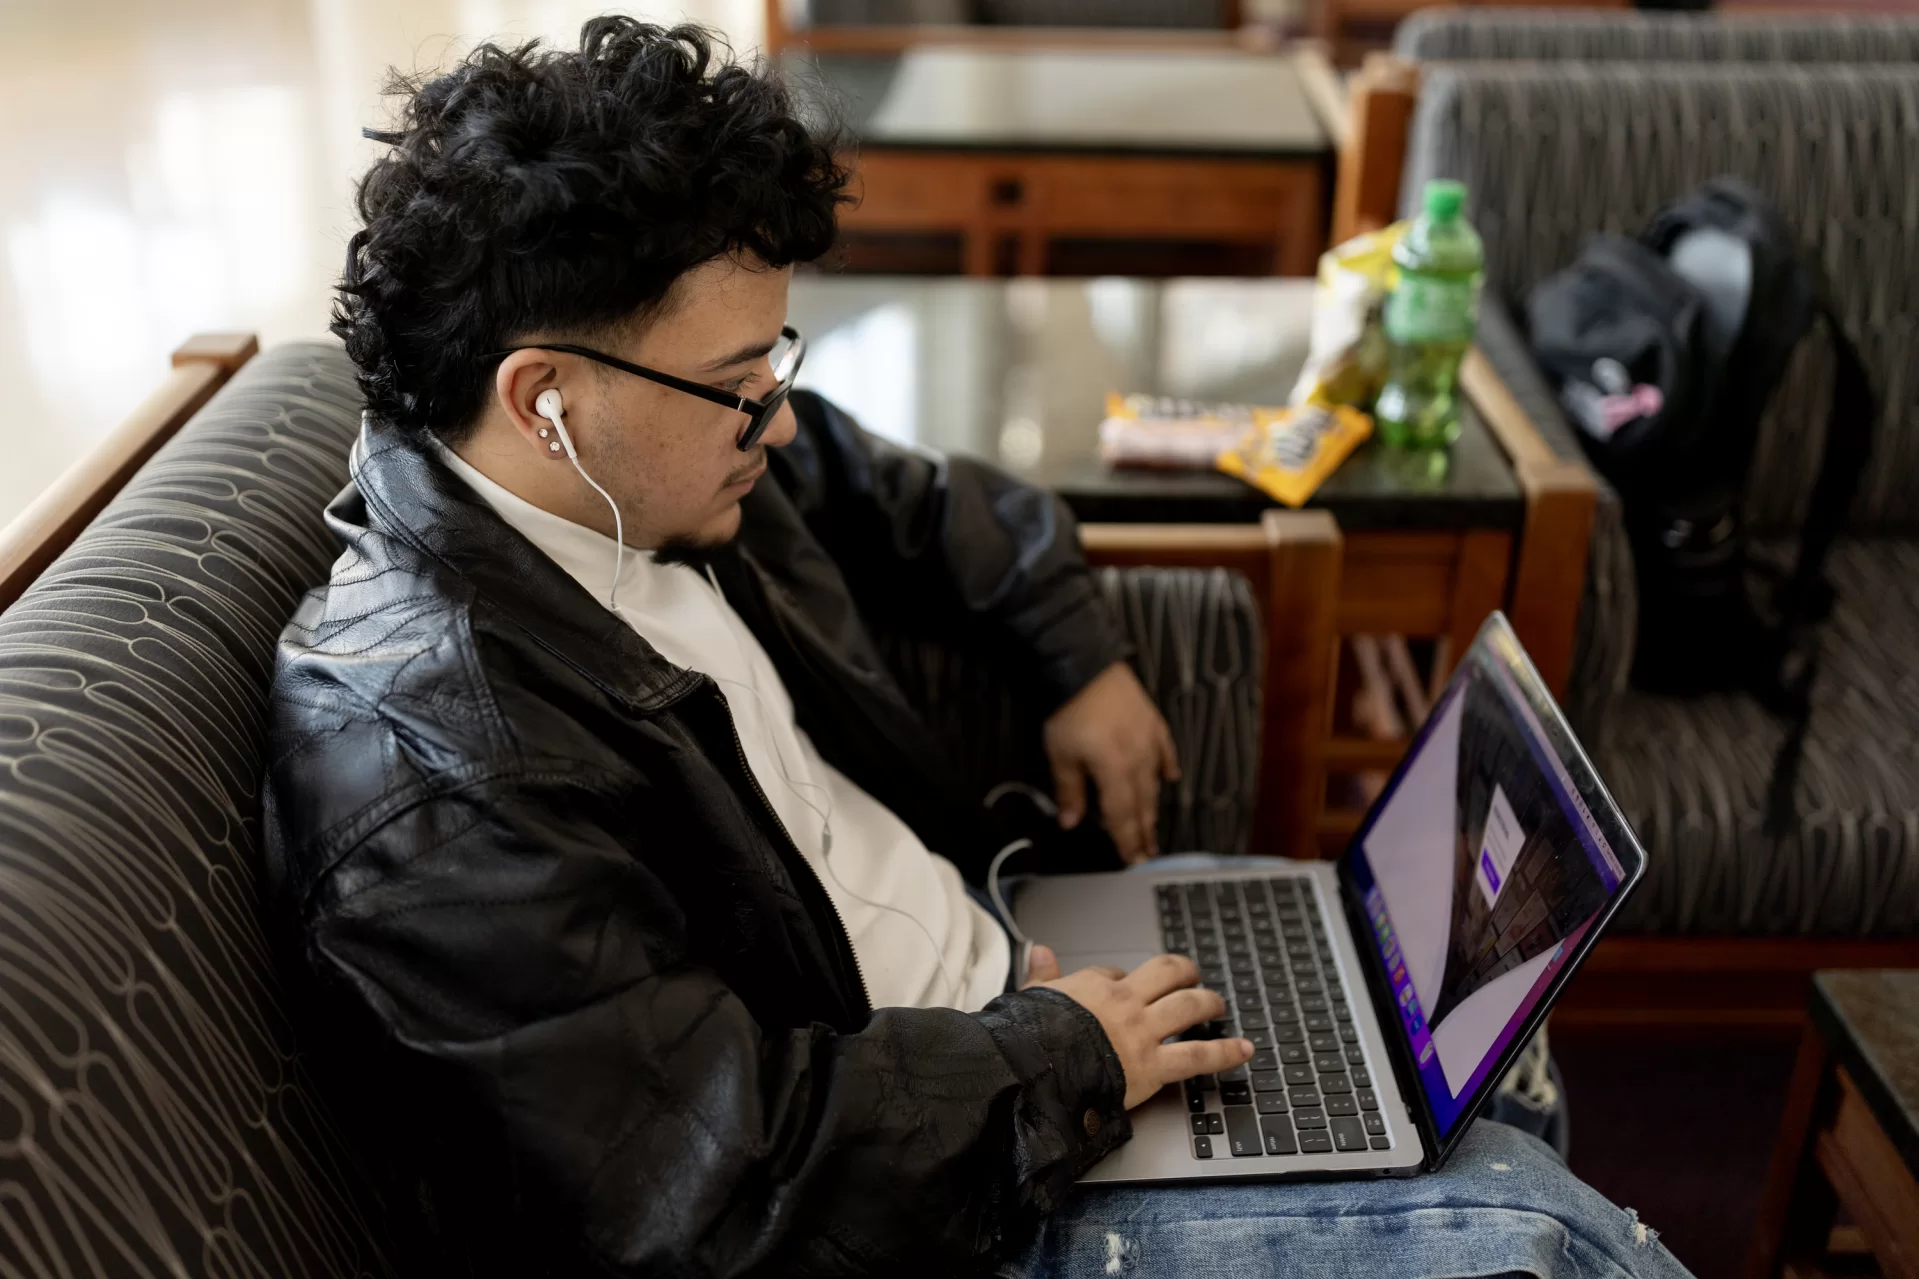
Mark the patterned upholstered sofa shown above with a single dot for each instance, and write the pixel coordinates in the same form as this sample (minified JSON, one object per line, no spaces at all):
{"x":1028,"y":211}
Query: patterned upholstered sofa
{"x":1565,"y":126}
{"x":155,"y":1115}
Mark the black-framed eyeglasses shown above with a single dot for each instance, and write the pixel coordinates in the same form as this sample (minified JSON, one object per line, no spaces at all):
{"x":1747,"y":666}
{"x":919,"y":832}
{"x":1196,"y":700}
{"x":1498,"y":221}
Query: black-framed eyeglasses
{"x":786,"y":366}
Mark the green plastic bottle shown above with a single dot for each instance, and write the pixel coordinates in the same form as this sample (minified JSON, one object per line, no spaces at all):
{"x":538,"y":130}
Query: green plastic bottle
{"x":1429,"y":322}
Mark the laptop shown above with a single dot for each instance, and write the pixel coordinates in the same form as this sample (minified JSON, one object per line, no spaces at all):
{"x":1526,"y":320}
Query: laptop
{"x":1388,"y":992}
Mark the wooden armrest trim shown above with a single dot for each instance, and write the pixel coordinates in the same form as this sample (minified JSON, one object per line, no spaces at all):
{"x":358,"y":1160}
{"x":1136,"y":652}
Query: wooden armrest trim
{"x":37,"y":536}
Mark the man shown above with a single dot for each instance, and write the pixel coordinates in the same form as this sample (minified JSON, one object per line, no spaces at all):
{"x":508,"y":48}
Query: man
{"x":629,"y":893}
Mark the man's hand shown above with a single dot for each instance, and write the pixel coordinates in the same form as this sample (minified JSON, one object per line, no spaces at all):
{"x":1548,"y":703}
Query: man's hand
{"x":1111,"y":730}
{"x":1139,"y":1009}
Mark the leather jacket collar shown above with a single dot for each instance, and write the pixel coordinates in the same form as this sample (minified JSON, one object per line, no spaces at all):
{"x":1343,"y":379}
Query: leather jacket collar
{"x":419,"y":499}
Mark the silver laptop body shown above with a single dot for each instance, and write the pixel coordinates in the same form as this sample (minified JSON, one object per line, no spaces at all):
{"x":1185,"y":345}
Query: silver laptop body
{"x":1346,"y":1081}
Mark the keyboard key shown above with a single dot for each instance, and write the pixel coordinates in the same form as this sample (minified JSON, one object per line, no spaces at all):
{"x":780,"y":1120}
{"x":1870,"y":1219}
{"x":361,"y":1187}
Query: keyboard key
{"x":1342,"y":1012}
{"x":1313,"y":1004}
{"x":1299,"y":1074}
{"x":1250,"y":1000}
{"x":1318,"y":1021}
{"x":1242,"y":966}
{"x":1310,"y":1143}
{"x":1375,"y":1125}
{"x":1367,"y":1099}
{"x":1215,"y":1125}
{"x":1233,"y":1075}
{"x":1202,"y":1147}
{"x":1279,"y":1135}
{"x":1348,"y":1135}
{"x":1297,"y":1097}
{"x":1362,"y":1078}
{"x":1261,"y":1036}
{"x":1308,"y":985}
{"x":1267,"y":1081}
{"x":1235,"y":1094}
{"x":1348,"y":1032}
{"x":1336,"y":1105}
{"x":1264,"y":1059}
{"x":1195,"y":1099}
{"x":1175,"y":940}
{"x":1330,"y":1064}
{"x":1335,"y":1083}
{"x":1253,"y":1021}
{"x":1270,"y":1103}
{"x":1242,"y":1132}
{"x":1381,"y":1143}
{"x":1294,"y":1055}
{"x":1308,"y":1119}
{"x":1199,"y":1125}
{"x":1324,"y":1042}
{"x":1355,"y":1055}
{"x":1289,"y":1034}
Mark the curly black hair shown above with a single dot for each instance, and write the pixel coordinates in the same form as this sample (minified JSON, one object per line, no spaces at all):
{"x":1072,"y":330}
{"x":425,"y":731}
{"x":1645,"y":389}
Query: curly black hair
{"x":564,"y":191}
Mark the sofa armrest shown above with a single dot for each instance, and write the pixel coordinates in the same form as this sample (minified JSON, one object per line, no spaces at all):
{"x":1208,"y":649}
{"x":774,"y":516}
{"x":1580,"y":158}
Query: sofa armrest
{"x":1197,"y":647}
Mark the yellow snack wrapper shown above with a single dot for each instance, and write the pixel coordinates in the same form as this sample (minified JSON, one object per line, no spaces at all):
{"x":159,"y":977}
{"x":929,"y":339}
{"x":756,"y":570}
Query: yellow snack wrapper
{"x":1346,"y":358}
{"x":1292,"y":451}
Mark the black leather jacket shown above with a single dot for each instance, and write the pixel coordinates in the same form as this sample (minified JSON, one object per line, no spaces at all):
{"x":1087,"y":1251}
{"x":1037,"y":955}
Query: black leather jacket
{"x":588,"y":1007}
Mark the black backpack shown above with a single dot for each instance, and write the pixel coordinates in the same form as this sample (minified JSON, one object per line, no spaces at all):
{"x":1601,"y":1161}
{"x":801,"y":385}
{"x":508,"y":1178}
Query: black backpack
{"x":1665,"y":351}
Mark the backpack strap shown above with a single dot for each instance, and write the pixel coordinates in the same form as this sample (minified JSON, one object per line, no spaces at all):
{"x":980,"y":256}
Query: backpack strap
{"x":1785,"y":686}
{"x":1807,"y":596}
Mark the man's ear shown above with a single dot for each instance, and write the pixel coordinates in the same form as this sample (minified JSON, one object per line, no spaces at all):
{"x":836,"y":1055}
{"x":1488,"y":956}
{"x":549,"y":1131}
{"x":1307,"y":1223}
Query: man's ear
{"x":517,"y":385}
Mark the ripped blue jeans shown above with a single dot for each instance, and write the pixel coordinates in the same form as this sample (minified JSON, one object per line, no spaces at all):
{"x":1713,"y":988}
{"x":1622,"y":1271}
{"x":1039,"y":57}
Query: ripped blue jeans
{"x":1503,"y":1204}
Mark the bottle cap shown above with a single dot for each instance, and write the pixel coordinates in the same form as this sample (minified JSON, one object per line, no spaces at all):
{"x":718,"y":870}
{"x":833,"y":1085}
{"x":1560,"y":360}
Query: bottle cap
{"x":1444,"y":199}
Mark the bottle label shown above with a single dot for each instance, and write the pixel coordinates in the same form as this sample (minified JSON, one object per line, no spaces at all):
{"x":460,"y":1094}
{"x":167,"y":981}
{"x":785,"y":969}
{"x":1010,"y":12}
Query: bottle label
{"x":1432,"y":308}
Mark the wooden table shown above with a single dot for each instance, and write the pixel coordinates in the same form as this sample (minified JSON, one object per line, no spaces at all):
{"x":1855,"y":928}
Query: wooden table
{"x":1393,"y":545}
{"x":1850,"y":1135}
{"x":999,"y":161}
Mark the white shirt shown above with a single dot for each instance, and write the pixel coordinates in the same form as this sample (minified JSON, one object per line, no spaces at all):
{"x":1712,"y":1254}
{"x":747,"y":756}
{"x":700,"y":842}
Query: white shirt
{"x":920,"y":939}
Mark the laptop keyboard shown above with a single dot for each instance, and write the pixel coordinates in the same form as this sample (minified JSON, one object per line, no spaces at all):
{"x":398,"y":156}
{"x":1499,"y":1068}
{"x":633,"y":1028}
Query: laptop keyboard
{"x":1308,"y":1090}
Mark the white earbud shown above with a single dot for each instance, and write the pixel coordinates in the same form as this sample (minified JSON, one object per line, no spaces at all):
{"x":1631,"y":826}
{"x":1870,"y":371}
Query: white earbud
{"x":547,"y":404}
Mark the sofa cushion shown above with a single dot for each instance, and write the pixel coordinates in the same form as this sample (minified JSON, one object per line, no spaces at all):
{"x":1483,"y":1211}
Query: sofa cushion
{"x":1692,"y":775}
{"x":151,"y":1097}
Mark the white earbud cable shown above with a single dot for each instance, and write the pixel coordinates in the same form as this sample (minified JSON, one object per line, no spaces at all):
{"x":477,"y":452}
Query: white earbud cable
{"x":953,"y":990}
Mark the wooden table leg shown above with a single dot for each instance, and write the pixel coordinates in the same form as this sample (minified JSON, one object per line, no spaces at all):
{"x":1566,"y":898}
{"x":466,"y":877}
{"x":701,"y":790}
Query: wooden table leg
{"x":1301,"y":651}
{"x":1796,"y":1214}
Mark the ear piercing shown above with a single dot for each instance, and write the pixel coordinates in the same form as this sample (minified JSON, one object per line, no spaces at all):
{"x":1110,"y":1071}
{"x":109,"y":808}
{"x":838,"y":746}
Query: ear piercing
{"x":553,"y":447}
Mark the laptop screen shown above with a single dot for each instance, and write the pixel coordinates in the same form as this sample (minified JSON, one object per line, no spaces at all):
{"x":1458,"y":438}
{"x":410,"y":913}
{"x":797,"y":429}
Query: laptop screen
{"x":1479,"y":872}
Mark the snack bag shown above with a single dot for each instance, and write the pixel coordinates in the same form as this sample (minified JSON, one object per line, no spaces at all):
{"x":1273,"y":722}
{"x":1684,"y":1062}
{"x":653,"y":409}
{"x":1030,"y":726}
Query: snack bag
{"x":1292,"y":451}
{"x":1346,"y":360}
{"x":1162,"y":431}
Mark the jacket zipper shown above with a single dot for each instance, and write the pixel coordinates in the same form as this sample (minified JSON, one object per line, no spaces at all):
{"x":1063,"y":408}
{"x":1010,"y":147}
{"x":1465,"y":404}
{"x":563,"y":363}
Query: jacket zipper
{"x":739,"y":748}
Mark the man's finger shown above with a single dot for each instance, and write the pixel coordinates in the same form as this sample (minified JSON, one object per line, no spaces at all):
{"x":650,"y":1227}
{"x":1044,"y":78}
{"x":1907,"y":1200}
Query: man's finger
{"x":1189,"y":1057}
{"x":1041,"y":965}
{"x":1119,"y":803}
{"x":1184,"y":1009}
{"x":1069,"y":792}
{"x":1161,"y":976}
{"x":1147,"y":789}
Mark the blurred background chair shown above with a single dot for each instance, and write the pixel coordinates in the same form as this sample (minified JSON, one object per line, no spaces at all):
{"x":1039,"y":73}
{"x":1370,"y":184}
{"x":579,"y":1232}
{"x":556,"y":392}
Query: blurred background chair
{"x":157,"y":1117}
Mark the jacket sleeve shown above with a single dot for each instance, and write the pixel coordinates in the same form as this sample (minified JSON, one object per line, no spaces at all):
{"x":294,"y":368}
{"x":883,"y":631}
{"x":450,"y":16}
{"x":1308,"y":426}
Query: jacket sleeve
{"x":542,"y":977}
{"x":951,"y":540}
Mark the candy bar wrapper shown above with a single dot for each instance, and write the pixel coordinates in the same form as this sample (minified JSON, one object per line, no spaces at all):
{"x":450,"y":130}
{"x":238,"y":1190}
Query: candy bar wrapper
{"x":1346,"y":360}
{"x":1160,"y":431}
{"x":1291,"y":452}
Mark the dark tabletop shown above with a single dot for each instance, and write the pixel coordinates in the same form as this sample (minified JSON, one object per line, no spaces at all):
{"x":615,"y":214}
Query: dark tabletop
{"x":1871,"y":1022}
{"x":1017,"y":371}
{"x":1160,"y":102}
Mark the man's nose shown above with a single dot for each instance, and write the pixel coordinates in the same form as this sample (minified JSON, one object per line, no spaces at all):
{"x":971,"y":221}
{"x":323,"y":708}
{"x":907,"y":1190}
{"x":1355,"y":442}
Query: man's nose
{"x":781,"y":430}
